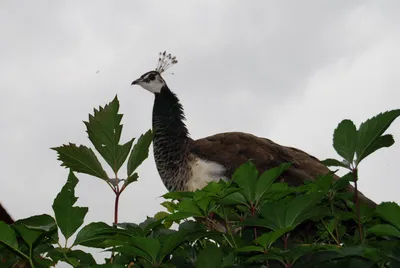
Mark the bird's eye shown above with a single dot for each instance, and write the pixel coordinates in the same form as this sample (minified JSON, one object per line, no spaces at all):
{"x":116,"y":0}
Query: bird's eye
{"x":152,"y":76}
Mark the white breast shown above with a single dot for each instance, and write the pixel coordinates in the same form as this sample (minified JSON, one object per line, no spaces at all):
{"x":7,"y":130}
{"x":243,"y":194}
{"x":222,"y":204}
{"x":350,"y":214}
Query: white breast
{"x":204,"y":172}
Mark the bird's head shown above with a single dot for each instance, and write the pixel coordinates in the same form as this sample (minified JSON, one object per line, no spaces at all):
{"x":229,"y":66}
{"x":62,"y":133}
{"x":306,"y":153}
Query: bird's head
{"x":152,"y":80}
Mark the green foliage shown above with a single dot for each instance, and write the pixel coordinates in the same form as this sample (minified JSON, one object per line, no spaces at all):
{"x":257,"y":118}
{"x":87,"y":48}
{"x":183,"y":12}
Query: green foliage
{"x":250,"y":221}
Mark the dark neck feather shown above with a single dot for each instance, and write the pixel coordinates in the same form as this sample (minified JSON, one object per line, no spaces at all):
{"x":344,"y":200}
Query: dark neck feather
{"x":170,"y":140}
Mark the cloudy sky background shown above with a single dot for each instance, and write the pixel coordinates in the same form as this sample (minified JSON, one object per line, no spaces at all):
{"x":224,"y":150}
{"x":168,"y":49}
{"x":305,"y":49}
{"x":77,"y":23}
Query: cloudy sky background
{"x":286,"y":70}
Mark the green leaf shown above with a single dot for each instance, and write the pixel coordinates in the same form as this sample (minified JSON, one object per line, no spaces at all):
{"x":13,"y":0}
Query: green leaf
{"x":149,"y":245}
{"x":209,"y":257}
{"x":68,"y":217}
{"x":384,"y":230}
{"x":267,"y":239}
{"x":174,"y":240}
{"x":250,"y":249}
{"x":345,"y":140}
{"x":380,"y":142}
{"x":132,"y":178}
{"x":283,"y":214}
{"x":94,"y":233}
{"x":330,"y":162}
{"x":246,"y":177}
{"x":104,"y":130}
{"x":7,"y":236}
{"x":80,"y":159}
{"x":371,"y":130}
{"x":267,"y":178}
{"x":30,"y":229}
{"x":390,"y":212}
{"x":139,"y":152}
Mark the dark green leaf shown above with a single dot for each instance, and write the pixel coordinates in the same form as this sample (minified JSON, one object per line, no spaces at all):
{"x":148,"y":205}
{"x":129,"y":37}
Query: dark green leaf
{"x":132,"y":178}
{"x":7,"y":236}
{"x":104,"y":130}
{"x":174,"y":240}
{"x":246,"y":177}
{"x":94,"y":233}
{"x":30,"y":229}
{"x":380,"y":142}
{"x":267,"y":178}
{"x":68,"y":217}
{"x":80,"y":159}
{"x":345,"y":140}
{"x":283,"y":214}
{"x":384,"y":230}
{"x":149,"y":245}
{"x":371,"y":130}
{"x":390,"y":212}
{"x":250,"y":249}
{"x":334,"y":163}
{"x":209,"y":257}
{"x":139,"y":152}
{"x":267,"y":239}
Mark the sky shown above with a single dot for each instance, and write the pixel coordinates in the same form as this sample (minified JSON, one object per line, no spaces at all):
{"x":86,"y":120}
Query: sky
{"x":286,"y":70}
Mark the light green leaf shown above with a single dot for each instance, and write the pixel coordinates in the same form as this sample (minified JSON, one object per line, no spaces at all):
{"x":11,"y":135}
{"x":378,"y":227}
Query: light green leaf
{"x":209,"y":257}
{"x":371,"y":130}
{"x":246,"y":177}
{"x":104,"y":130}
{"x":390,"y":212}
{"x":80,"y":159}
{"x":267,"y":179}
{"x":384,"y":230}
{"x":68,"y":217}
{"x":139,"y":152}
{"x":345,"y":140}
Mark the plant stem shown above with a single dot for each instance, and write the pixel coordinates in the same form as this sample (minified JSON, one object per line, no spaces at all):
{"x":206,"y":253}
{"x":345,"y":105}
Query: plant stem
{"x":253,"y":212}
{"x":337,"y":240}
{"x":356,"y":201}
{"x":116,"y":205}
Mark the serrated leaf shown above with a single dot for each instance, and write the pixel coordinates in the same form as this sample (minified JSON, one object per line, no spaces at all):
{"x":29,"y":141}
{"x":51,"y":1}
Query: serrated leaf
{"x":330,"y":162}
{"x":345,"y":140}
{"x":68,"y":217}
{"x":390,"y":212}
{"x":209,"y":257}
{"x":7,"y":236}
{"x":380,"y":142}
{"x":371,"y":130}
{"x":104,"y":130}
{"x":267,"y":179}
{"x":139,"y":152}
{"x":246,"y":177}
{"x":80,"y":159}
{"x":384,"y":230}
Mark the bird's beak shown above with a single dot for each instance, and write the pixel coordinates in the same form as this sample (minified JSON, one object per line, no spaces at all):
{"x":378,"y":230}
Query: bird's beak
{"x":136,"y":81}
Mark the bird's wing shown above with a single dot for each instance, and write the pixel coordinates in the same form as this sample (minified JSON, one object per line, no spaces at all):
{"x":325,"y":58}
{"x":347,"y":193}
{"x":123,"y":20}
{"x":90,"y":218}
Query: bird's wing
{"x":235,"y":148}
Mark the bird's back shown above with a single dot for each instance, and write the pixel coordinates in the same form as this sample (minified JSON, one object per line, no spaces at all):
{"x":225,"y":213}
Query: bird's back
{"x":233,"y":149}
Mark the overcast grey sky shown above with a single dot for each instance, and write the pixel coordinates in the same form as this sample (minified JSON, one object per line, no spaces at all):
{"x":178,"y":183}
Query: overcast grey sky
{"x":286,"y":70}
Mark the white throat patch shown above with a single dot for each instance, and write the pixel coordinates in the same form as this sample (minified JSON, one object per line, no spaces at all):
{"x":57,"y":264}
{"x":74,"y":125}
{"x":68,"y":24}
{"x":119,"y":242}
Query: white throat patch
{"x":204,"y":172}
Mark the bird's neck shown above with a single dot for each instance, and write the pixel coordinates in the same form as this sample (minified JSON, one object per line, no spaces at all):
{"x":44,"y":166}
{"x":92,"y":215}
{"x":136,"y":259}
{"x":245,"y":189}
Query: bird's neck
{"x":171,"y":138}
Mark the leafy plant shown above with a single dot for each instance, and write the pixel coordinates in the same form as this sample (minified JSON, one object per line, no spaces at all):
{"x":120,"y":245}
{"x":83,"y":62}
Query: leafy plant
{"x":250,"y":221}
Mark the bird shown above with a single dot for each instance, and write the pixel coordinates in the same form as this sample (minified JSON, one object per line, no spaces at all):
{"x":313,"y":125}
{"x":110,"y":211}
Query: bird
{"x":185,"y":164}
